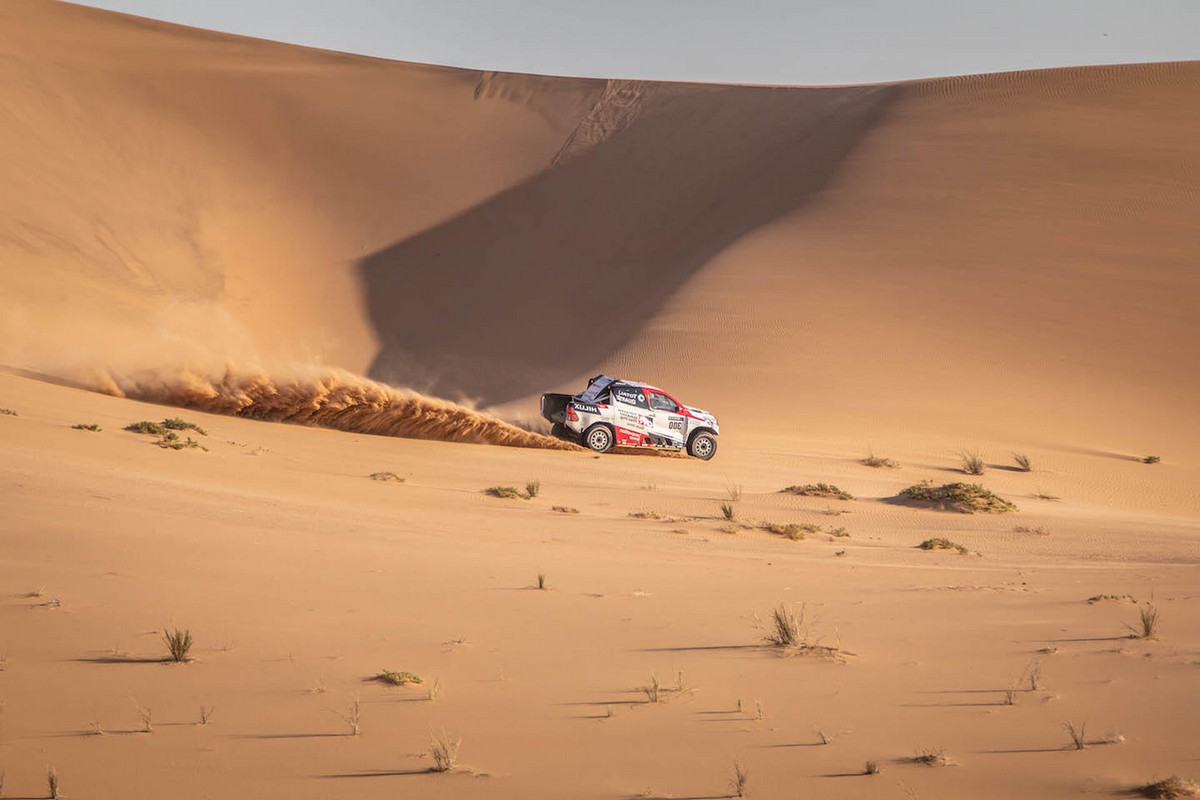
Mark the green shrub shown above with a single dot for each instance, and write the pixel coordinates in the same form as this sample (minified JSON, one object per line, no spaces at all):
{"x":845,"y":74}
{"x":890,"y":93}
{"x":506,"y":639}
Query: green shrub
{"x":943,"y":544}
{"x":967,"y":498}
{"x":82,"y":427}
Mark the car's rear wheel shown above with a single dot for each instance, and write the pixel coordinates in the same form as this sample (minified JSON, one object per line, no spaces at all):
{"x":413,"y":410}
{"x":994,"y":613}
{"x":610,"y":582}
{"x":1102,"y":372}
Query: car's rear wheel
{"x":599,"y":437}
{"x":702,"y":445}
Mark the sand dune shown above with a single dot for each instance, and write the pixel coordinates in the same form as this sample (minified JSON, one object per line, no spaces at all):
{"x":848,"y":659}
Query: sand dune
{"x":1000,"y":263}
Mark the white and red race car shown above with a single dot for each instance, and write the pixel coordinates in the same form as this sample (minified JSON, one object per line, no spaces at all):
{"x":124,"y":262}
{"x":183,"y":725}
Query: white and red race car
{"x":615,"y":413}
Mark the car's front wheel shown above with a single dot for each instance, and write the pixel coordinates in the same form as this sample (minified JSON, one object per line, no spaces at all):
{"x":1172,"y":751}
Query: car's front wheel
{"x":599,"y":437}
{"x":702,"y":445}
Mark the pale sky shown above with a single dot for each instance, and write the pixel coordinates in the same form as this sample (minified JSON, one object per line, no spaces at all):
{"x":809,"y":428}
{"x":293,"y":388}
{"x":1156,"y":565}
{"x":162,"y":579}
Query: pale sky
{"x":763,"y":41}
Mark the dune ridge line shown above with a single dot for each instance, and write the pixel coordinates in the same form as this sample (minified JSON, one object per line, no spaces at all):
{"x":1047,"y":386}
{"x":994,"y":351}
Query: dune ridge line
{"x":326,"y":398}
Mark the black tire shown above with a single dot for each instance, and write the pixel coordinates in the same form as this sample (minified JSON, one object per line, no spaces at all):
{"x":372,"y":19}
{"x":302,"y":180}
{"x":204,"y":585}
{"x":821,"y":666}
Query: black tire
{"x":702,"y":445}
{"x":599,"y":438}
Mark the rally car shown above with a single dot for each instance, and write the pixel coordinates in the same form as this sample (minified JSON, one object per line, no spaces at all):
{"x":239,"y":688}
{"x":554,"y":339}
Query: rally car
{"x":616,"y":413}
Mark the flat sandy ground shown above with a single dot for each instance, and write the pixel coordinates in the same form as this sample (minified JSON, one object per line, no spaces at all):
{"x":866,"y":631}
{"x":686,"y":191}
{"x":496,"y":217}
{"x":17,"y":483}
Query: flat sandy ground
{"x":301,"y":578}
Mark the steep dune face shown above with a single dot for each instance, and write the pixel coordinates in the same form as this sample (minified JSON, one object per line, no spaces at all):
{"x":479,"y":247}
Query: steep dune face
{"x":1006,"y":255}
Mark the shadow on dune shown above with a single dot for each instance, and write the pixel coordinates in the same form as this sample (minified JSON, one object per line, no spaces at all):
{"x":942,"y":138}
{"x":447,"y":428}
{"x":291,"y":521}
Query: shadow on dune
{"x":546,"y":279}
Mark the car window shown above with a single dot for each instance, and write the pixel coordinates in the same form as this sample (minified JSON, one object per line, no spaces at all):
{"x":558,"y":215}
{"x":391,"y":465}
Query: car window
{"x":629,"y":395}
{"x":660,"y":402}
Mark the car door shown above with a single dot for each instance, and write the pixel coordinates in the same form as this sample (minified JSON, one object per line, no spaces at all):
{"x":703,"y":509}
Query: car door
{"x":633,"y":413}
{"x":666,"y":421}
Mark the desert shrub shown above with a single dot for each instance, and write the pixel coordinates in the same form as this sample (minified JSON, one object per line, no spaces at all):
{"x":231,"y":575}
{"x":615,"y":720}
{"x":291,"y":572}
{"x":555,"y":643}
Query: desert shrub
{"x":505,"y":492}
{"x":541,"y":581}
{"x":967,"y":498}
{"x":8,"y":412}
{"x":1172,"y":788}
{"x":85,"y":427}
{"x":1078,"y":734}
{"x":444,"y":750}
{"x":1023,"y":462}
{"x":171,"y":441}
{"x":932,"y":757}
{"x":871,"y":768}
{"x":644,"y":515}
{"x":1147,"y":622}
{"x":737,"y":781}
{"x":789,"y":530}
{"x":784,"y":628}
{"x":177,"y":424}
{"x":939,"y":543}
{"x":386,"y":476}
{"x":565,"y":510}
{"x":179,"y":644}
{"x":152,"y":428}
{"x":972,"y":462}
{"x":1151,"y":460}
{"x":532,"y":488}
{"x":838,"y":533}
{"x":826,"y":490}
{"x":878,"y":462}
{"x":393,"y":678}
{"x":728,"y":511}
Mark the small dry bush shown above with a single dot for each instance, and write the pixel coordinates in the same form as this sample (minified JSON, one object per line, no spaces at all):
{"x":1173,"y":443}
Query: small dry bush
{"x":653,"y":690}
{"x":444,"y":749}
{"x":733,"y":492}
{"x":80,"y":426}
{"x":1078,"y":734}
{"x":644,"y":515}
{"x":938,"y":543}
{"x":532,"y":489}
{"x":179,"y":644}
{"x":52,"y":783}
{"x":871,"y":768}
{"x":1147,"y":622}
{"x":784,"y":628}
{"x":1024,"y":463}
{"x":394,"y":678}
{"x":878,"y":462}
{"x":789,"y":530}
{"x":565,"y":510}
{"x":737,"y":781}
{"x":826,"y":490}
{"x":1172,"y":788}
{"x":386,"y":476}
{"x":505,"y":492}
{"x":972,"y":462}
{"x":1038,"y":531}
{"x":966,"y":498}
{"x":1151,"y":460}
{"x":541,"y":581}
{"x":728,"y":511}
{"x":932,"y":757}
{"x":7,"y":412}
{"x":838,"y":533}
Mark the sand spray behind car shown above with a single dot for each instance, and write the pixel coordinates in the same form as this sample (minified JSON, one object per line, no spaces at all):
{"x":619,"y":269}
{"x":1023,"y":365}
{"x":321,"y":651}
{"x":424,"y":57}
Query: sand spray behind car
{"x":327,"y":398}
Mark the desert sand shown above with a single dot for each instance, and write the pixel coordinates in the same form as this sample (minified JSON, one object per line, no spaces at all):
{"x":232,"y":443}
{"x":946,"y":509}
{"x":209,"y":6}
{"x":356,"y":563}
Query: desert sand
{"x":341,"y":267}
